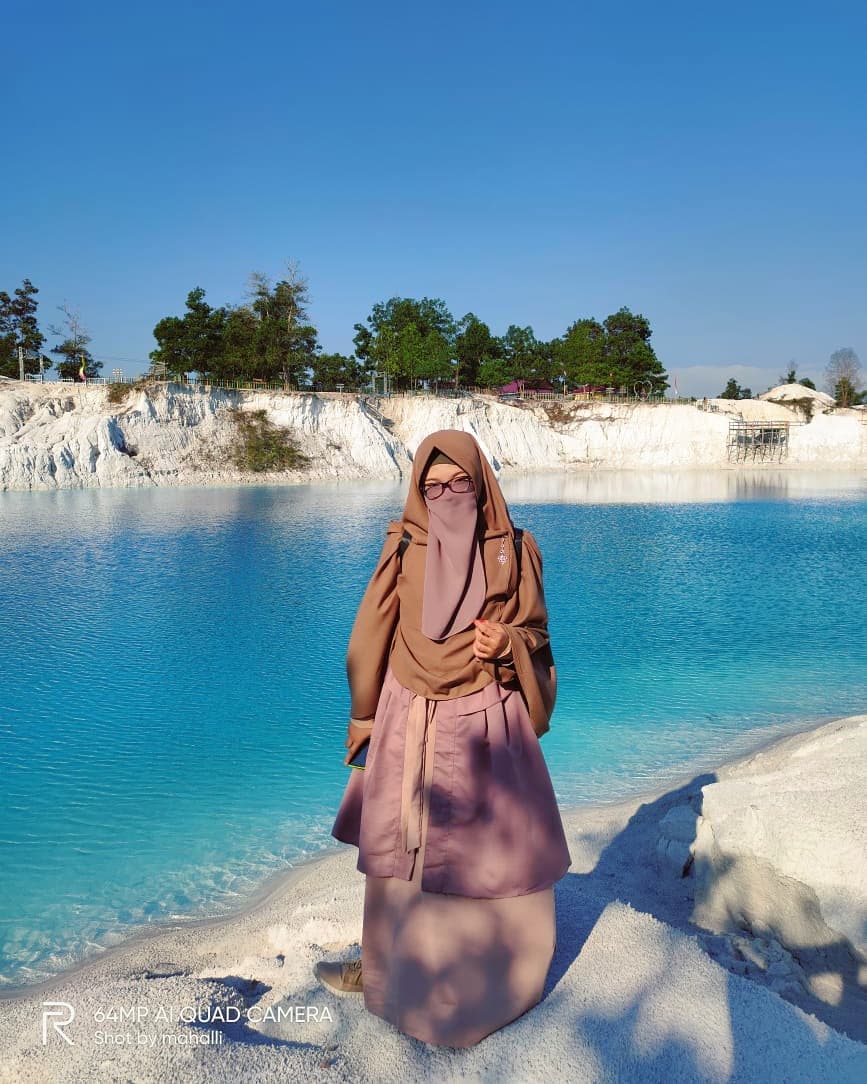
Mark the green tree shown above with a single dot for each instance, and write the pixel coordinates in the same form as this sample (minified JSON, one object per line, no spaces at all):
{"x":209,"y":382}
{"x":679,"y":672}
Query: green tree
{"x":408,"y":339}
{"x":524,"y":354}
{"x":285,"y":343}
{"x":73,"y":345}
{"x":629,"y":357}
{"x":616,"y":352}
{"x":791,"y":377}
{"x":427,"y":354}
{"x":580,"y":353}
{"x":270,"y":338}
{"x":192,"y":342}
{"x":547,"y":365}
{"x":19,"y":327}
{"x":494,"y":373}
{"x":733,"y":390}
{"x":329,"y":370}
{"x":474,"y":345}
{"x":843,"y":376}
{"x":845,"y":394}
{"x":236,"y":358}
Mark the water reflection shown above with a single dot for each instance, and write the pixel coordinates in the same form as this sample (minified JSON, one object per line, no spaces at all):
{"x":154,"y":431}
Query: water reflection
{"x":344,"y":509}
{"x":682,"y":486}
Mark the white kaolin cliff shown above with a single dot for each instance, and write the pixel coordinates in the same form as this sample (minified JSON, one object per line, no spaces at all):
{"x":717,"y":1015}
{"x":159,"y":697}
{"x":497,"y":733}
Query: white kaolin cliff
{"x":58,"y":436}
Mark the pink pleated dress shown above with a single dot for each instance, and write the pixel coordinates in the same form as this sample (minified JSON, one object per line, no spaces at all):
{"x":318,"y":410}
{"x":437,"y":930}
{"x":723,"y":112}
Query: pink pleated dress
{"x":460,"y":838}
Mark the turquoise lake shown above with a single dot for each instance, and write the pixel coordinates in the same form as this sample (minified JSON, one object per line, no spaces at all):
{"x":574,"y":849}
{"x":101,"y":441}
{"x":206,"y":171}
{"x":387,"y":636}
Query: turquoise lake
{"x":173,"y":701}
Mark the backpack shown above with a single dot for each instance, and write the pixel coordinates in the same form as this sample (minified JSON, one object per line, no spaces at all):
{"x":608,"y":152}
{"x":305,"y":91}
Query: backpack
{"x":519,"y":534}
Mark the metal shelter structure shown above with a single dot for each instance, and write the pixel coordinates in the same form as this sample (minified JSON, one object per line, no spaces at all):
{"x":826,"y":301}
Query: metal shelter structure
{"x":765,"y":440}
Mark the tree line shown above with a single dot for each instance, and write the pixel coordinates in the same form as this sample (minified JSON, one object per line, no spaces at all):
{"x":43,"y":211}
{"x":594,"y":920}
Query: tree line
{"x":410,"y":342}
{"x":20,"y":335}
{"x":842,"y":378}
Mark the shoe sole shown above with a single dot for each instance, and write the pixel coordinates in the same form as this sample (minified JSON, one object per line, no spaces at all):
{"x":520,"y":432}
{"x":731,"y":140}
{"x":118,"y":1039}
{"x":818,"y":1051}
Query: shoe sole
{"x":340,"y":993}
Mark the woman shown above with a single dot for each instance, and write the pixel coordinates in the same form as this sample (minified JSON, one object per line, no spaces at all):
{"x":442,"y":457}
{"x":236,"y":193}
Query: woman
{"x":452,"y":680}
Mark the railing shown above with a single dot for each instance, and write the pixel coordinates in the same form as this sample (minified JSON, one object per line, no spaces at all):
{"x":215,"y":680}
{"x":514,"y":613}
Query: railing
{"x":610,"y":395}
{"x":236,"y":385}
{"x":593,"y":397}
{"x":246,"y":385}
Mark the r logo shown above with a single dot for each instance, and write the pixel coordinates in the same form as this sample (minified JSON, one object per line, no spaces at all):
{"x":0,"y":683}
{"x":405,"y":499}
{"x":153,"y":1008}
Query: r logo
{"x":59,"y":1009}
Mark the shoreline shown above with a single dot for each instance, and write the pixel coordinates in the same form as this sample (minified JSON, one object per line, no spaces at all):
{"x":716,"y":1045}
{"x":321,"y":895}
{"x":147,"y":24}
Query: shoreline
{"x":574,"y":483}
{"x":638,"y":987}
{"x":507,"y":472}
{"x":282,"y":882}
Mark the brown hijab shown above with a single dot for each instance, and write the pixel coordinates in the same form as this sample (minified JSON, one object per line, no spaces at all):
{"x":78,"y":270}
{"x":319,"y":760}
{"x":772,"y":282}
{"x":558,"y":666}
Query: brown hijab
{"x":388,"y":625}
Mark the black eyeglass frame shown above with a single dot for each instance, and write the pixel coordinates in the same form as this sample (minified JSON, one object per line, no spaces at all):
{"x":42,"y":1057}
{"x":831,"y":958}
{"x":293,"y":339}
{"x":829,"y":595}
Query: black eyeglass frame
{"x":443,"y":486}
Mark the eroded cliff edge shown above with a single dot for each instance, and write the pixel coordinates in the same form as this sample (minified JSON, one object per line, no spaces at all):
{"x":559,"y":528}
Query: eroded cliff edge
{"x":62,"y":436}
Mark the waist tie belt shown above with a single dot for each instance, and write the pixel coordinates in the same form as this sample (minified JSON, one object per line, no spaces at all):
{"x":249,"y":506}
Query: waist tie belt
{"x":421,"y":713}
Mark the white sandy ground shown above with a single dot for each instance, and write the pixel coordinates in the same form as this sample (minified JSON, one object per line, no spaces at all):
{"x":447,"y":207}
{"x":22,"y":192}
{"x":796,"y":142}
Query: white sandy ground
{"x":770,"y":851}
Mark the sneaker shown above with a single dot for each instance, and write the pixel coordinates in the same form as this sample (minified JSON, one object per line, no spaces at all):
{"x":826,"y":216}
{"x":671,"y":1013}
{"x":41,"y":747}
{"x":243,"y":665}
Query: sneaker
{"x":340,"y":978}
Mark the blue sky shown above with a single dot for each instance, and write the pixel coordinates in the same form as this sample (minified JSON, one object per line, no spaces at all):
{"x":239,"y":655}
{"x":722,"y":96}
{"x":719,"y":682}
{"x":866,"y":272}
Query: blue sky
{"x":535,"y":163}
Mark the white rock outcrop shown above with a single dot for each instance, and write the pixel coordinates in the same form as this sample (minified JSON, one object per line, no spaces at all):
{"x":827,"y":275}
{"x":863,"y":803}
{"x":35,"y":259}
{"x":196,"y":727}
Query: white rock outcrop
{"x":55,"y":436}
{"x":783,"y":393}
{"x":774,"y":856}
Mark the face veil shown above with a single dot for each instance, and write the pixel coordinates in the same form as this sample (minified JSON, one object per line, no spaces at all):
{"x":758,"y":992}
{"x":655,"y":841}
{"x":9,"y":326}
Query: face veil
{"x":454,"y":583}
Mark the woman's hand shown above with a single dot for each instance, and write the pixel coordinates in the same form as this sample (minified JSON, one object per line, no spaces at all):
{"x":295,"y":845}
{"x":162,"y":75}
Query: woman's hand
{"x":356,"y":736}
{"x":491,"y":641}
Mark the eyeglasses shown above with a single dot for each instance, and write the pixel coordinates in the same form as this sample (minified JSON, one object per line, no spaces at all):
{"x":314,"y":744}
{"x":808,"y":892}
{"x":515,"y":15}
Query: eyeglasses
{"x":456,"y":485}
